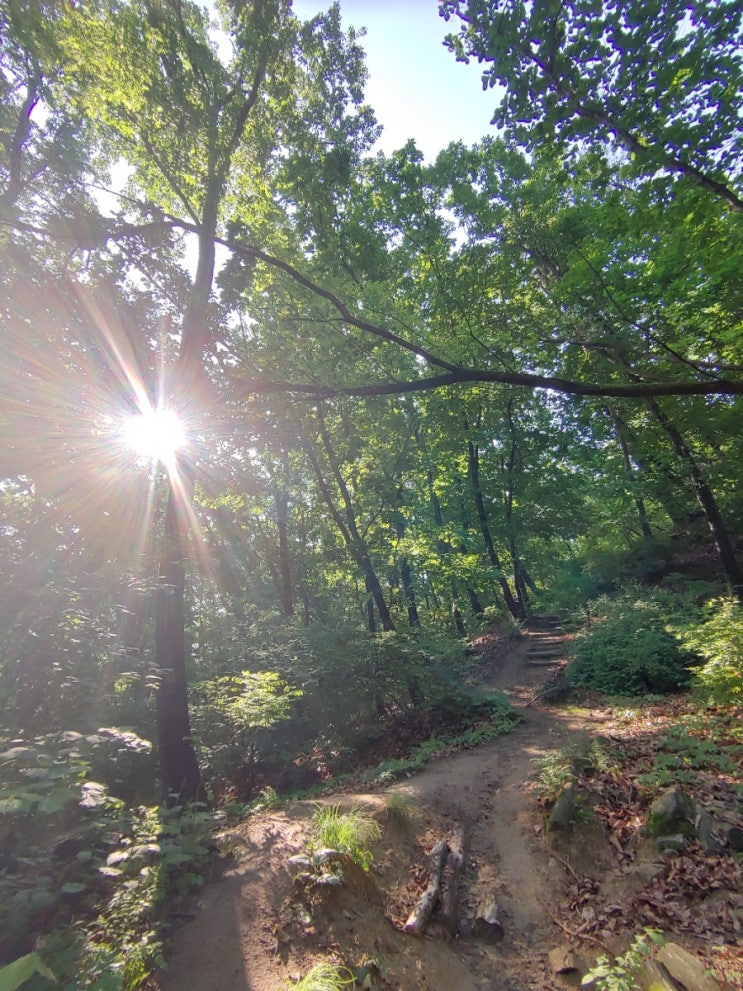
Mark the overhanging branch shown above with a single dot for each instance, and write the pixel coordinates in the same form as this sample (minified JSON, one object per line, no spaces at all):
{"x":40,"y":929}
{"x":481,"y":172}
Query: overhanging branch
{"x":471,"y":376}
{"x":451,"y":374}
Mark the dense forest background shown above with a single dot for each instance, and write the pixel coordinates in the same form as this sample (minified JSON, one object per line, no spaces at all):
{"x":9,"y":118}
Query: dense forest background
{"x":418,"y":397}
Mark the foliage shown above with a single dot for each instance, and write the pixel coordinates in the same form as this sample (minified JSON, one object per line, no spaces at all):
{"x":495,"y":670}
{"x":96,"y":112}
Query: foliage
{"x":87,"y":876}
{"x":694,"y":743}
{"x":621,"y":974}
{"x":19,"y":971}
{"x":571,"y":588}
{"x":345,"y":832}
{"x":415,"y":512}
{"x":557,"y":769}
{"x":323,"y":977}
{"x":400,"y":807}
{"x":267,"y":799}
{"x":492,"y":716}
{"x":578,"y":73}
{"x":55,"y":822}
{"x":232,"y":719}
{"x":625,"y":649}
{"x":718,"y":639}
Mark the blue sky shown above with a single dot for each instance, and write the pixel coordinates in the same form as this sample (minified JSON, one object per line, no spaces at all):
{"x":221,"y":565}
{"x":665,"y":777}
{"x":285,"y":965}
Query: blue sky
{"x":416,"y":86}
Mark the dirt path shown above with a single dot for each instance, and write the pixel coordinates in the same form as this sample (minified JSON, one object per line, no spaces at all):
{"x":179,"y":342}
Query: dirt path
{"x":254,"y":931}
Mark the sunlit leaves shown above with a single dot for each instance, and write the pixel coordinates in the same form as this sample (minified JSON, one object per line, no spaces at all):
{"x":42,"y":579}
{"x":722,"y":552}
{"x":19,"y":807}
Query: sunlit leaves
{"x":660,"y":81}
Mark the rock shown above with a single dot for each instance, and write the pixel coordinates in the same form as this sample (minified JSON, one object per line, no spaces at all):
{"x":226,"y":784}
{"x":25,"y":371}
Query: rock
{"x":671,"y":812}
{"x":563,"y":810}
{"x":564,"y":960}
{"x":674,"y":842}
{"x":487,"y":925}
{"x":686,"y":969}
{"x":734,"y":838}
{"x":653,"y":977}
{"x":707,"y":840}
{"x":300,"y":863}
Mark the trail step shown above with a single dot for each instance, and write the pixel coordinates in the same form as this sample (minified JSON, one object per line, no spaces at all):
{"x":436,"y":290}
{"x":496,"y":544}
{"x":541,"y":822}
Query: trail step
{"x":543,"y":662}
{"x":545,"y":653}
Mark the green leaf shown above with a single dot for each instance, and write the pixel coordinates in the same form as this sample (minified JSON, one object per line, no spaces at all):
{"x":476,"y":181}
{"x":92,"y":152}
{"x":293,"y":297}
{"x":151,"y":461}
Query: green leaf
{"x":18,"y":972}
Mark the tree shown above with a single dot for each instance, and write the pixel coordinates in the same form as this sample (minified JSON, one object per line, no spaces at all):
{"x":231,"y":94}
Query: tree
{"x":663,"y":82}
{"x":210,"y":145}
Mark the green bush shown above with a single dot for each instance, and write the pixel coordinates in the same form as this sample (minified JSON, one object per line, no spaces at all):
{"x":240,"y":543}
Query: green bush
{"x":233,"y":717}
{"x":570,"y":589}
{"x":719,"y":641}
{"x":627,"y":649}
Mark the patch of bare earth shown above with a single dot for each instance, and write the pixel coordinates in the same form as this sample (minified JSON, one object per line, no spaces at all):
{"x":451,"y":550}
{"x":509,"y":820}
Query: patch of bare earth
{"x":257,"y":928}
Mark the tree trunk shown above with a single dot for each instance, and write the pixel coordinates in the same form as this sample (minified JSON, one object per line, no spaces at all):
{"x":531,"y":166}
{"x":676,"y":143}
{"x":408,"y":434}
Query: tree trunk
{"x":629,"y":470}
{"x":421,"y":914}
{"x":348,"y":527}
{"x":409,"y":589}
{"x":473,"y":462}
{"x":707,"y":501}
{"x":286,"y":598}
{"x":457,"y":616}
{"x":474,"y":601}
{"x":371,"y":621}
{"x":179,"y":769}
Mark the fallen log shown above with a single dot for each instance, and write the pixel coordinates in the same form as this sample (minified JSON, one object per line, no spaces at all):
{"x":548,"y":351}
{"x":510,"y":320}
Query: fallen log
{"x":421,"y":914}
{"x":450,"y":894}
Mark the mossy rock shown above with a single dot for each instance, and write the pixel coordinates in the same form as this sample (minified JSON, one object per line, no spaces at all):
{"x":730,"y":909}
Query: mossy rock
{"x":672,"y":812}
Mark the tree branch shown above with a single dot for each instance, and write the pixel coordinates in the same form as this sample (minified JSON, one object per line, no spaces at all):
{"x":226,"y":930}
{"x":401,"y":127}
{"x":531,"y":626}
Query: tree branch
{"x":451,"y":374}
{"x":469,"y":376}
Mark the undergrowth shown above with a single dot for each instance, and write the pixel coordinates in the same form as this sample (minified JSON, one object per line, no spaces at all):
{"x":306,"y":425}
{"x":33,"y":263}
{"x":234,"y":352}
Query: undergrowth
{"x":494,"y":716}
{"x":627,"y":648}
{"x":348,"y":832}
{"x":622,"y":973}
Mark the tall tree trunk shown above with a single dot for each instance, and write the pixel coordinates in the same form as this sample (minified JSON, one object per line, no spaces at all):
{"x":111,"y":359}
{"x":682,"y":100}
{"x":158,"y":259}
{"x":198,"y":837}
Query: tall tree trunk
{"x":371,"y":621}
{"x":347,"y":525}
{"x":629,"y":471}
{"x":519,"y":582}
{"x":473,"y":465}
{"x":706,"y":500}
{"x":409,"y":590}
{"x":406,"y":575}
{"x":179,"y":769}
{"x":284,"y":577}
{"x":444,"y":547}
{"x":457,"y":616}
{"x":474,"y":600}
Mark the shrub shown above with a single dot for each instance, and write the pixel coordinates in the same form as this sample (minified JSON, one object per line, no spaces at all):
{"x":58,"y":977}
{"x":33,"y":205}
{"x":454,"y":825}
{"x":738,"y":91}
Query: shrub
{"x":627,"y":649}
{"x":233,"y":717}
{"x":719,"y":641}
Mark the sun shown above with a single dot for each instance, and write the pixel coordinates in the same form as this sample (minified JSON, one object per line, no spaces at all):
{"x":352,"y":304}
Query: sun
{"x":156,"y":434}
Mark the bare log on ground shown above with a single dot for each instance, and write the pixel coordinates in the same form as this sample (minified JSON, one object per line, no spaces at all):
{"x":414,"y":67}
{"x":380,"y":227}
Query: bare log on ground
{"x":421,"y":914}
{"x":450,"y":893}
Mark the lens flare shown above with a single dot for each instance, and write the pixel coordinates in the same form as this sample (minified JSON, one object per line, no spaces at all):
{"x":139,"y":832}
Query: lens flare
{"x":157,"y":434}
